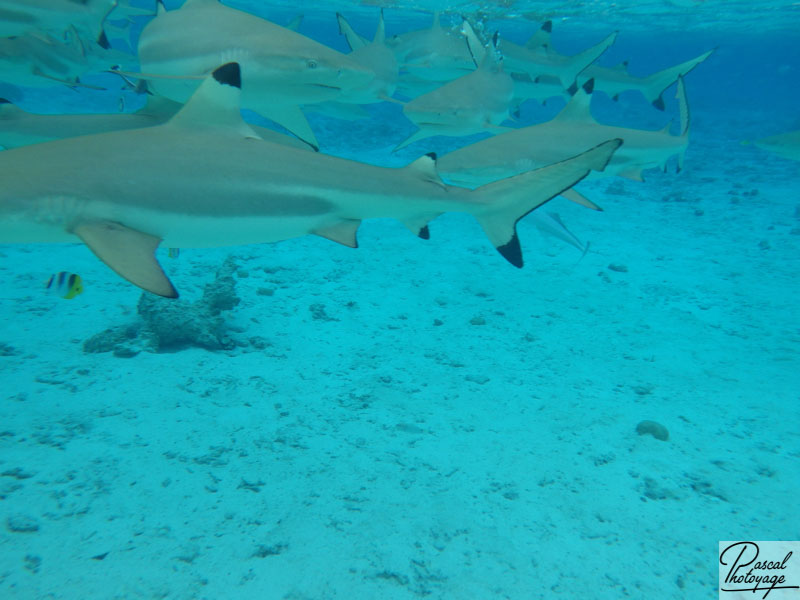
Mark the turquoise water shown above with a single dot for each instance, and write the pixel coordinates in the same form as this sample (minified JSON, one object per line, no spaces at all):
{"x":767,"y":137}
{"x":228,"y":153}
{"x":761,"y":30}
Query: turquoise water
{"x":418,"y":418}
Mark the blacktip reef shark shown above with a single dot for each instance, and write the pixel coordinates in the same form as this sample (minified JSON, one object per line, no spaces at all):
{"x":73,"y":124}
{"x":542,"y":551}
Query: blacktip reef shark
{"x":18,"y":17}
{"x":610,"y":80}
{"x":37,"y":59}
{"x":206,"y":179}
{"x":21,"y":128}
{"x":570,"y":132}
{"x":283,"y":68}
{"x":373,"y":55}
{"x":786,"y":145}
{"x":543,"y":63}
{"x":430,"y":57}
{"x":615,"y":80}
{"x":474,"y":103}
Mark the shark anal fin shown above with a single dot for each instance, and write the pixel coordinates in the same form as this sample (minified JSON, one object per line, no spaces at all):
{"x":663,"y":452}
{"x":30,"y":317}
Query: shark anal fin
{"x":343,"y":232}
{"x":575,"y":196}
{"x":130,"y":253}
{"x":419,"y":225}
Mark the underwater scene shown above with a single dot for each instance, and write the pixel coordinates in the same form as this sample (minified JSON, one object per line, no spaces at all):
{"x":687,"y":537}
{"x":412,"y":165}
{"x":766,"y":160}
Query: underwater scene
{"x":396,"y":299}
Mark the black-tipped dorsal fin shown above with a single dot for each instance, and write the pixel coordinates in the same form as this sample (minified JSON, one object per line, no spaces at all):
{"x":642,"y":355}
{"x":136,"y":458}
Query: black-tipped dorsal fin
{"x":578,"y":107}
{"x":215,"y":104}
{"x":425,"y":168}
{"x":129,"y":252}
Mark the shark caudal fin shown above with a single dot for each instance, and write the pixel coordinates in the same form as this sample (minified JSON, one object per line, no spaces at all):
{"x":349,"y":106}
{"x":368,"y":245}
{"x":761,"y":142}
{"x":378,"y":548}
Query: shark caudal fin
{"x":683,"y":110}
{"x":506,"y":201}
{"x":655,"y":84}
{"x":579,"y":62}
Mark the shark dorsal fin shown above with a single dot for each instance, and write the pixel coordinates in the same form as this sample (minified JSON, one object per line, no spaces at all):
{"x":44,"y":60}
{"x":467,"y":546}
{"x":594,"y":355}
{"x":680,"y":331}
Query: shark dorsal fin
{"x":474,"y":44}
{"x":380,"y":32}
{"x":425,"y":168}
{"x":541,"y":39}
{"x":216,"y":104}
{"x":295,"y":23}
{"x":578,"y":108}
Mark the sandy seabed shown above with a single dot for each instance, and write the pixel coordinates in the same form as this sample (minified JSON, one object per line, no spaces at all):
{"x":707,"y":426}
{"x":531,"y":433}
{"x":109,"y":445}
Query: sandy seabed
{"x":418,"y":418}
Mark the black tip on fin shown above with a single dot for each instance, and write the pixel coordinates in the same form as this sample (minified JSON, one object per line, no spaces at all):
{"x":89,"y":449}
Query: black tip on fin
{"x":425,"y":233}
{"x":229,"y":74}
{"x":547,"y":26}
{"x":571,"y":90}
{"x":588,"y":87}
{"x":659,"y":103}
{"x":103,"y":42}
{"x":512,"y":251}
{"x":432,"y":156}
{"x":4,"y":101}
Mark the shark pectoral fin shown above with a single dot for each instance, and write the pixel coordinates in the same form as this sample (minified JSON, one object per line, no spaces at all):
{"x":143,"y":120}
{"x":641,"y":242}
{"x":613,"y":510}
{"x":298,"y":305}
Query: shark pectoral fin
{"x":291,"y":118}
{"x":635,"y":174}
{"x":343,"y":232}
{"x":130,"y":253}
{"x":420,"y":134}
{"x":575,"y":196}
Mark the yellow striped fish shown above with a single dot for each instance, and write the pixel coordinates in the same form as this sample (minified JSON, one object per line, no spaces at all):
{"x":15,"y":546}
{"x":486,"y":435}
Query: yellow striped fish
{"x":66,"y":285}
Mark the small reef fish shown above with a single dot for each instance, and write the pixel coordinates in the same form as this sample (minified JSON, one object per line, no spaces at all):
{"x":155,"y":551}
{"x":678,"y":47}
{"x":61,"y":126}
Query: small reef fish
{"x":66,"y":285}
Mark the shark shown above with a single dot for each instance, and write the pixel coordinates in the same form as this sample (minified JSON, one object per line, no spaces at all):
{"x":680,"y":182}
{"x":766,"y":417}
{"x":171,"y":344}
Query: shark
{"x":610,"y":80}
{"x":21,"y":128}
{"x":37,"y":59}
{"x":542,"y":63}
{"x":88,"y":17}
{"x":615,"y":80}
{"x":433,"y":54}
{"x":283,"y":68}
{"x":18,"y":17}
{"x":373,"y":55}
{"x":204,"y":178}
{"x":570,"y":132}
{"x":786,"y":145}
{"x":473,"y":103}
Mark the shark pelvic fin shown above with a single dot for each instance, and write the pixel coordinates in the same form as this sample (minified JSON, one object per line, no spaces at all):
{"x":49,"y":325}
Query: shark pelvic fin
{"x":343,"y":232}
{"x":575,"y":196}
{"x":216,"y":104}
{"x":129,"y":252}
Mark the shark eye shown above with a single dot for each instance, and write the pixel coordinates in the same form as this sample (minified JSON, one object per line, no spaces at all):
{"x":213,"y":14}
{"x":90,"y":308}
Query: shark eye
{"x":311,"y":64}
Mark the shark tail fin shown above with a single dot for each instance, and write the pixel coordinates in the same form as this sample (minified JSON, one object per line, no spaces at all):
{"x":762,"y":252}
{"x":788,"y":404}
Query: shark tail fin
{"x":354,"y":40}
{"x":580,"y":61}
{"x":505,"y":202}
{"x":685,"y":116}
{"x":655,"y":84}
